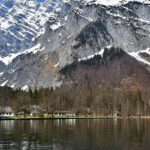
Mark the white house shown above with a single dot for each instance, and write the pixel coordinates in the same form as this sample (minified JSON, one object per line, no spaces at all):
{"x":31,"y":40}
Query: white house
{"x":6,"y":111}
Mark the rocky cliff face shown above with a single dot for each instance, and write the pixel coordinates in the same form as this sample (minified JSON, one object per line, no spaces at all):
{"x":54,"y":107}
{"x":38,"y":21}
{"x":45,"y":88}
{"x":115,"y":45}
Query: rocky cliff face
{"x":68,"y":31}
{"x":114,"y":68}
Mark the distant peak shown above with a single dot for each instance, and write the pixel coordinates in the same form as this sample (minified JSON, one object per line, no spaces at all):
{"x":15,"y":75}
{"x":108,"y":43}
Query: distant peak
{"x":116,"y":2}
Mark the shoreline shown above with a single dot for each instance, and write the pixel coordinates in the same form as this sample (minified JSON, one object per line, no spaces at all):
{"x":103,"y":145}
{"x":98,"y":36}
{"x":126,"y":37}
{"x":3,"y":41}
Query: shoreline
{"x":76,"y":118}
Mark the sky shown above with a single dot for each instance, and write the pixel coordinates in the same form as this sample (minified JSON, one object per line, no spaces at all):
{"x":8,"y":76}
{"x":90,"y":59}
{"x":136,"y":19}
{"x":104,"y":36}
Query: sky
{"x":37,"y":0}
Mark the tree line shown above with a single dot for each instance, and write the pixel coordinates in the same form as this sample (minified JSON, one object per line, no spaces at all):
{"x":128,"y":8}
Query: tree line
{"x":81,"y":99}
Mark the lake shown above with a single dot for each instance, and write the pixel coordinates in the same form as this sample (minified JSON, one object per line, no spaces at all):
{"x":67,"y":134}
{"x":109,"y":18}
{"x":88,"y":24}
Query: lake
{"x":84,"y":134}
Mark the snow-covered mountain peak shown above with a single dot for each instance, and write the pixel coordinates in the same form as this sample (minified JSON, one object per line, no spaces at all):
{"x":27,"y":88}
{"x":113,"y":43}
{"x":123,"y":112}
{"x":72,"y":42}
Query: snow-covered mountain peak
{"x":115,"y":2}
{"x":21,"y":21}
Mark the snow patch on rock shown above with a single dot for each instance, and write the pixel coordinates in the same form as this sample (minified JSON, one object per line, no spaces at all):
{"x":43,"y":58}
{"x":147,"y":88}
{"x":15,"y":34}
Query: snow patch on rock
{"x":139,"y":58}
{"x":101,"y":52}
{"x":4,"y":83}
{"x":115,"y":2}
{"x":8,"y":59}
{"x":25,"y":88}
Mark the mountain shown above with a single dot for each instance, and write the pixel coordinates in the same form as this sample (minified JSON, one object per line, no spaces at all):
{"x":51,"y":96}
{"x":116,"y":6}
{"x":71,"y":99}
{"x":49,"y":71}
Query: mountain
{"x":38,"y":40}
{"x":21,"y":21}
{"x":113,"y":68}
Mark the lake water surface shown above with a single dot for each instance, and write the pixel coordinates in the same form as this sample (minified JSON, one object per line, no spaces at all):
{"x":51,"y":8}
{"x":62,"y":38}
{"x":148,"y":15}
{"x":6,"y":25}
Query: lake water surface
{"x":98,"y":134}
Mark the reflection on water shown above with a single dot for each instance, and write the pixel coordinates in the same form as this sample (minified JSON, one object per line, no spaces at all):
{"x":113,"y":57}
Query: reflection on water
{"x":104,"y":134}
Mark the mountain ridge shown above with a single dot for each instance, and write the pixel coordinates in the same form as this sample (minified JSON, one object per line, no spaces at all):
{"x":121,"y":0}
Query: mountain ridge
{"x":77,"y":31}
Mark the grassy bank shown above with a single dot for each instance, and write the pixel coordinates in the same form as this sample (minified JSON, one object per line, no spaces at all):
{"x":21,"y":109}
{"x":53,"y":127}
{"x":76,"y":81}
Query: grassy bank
{"x":46,"y":117}
{"x":29,"y":117}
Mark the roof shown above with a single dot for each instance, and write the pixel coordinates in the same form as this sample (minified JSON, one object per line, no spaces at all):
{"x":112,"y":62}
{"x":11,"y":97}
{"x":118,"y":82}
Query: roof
{"x":6,"y":109}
